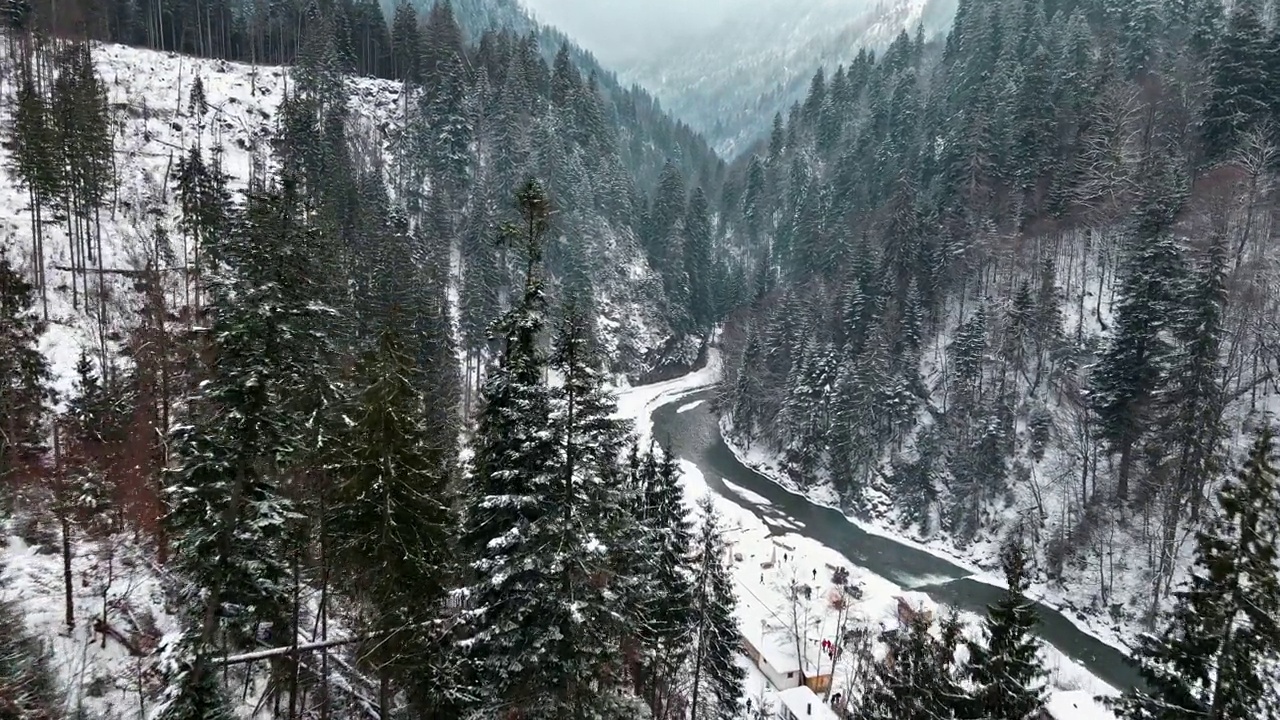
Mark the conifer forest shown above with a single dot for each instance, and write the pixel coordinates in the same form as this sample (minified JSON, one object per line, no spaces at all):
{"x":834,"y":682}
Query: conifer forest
{"x":399,"y":359}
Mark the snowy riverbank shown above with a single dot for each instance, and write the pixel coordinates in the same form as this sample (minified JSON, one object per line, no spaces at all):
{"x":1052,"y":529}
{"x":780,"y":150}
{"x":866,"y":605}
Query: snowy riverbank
{"x":1071,"y":685}
{"x":981,"y":561}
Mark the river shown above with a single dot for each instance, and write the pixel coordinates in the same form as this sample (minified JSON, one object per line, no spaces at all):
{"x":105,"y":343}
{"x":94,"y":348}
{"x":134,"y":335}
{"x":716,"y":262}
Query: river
{"x":694,"y":435}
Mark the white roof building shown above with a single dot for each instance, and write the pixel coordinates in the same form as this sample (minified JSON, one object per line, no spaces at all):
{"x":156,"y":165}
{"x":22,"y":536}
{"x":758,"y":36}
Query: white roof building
{"x":771,"y":643}
{"x":801,"y":703}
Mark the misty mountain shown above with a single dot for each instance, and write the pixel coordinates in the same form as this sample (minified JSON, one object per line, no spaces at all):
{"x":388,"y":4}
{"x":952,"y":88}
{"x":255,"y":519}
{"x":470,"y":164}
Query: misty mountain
{"x":729,"y":80}
{"x":658,"y":135}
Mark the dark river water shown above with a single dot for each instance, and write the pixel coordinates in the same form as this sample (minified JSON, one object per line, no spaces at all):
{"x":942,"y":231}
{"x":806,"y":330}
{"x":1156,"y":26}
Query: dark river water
{"x":695,"y":436}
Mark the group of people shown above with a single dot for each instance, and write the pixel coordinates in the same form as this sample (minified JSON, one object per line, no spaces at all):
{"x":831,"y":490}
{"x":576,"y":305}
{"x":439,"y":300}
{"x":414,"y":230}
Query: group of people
{"x":830,"y":648}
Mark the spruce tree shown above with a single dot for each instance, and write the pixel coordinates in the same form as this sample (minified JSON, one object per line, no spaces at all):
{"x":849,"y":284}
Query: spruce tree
{"x":406,"y":44}
{"x":391,"y":525}
{"x":24,"y":376}
{"x":1132,"y":364}
{"x":230,"y":518}
{"x":664,"y":221}
{"x":591,"y":442}
{"x":443,"y":126}
{"x":918,"y":679}
{"x":1191,"y":403}
{"x":90,"y":427}
{"x":1240,"y":94}
{"x":85,"y":147}
{"x":428,"y":315}
{"x":205,"y":203}
{"x":1008,"y":678}
{"x":441,"y":38}
{"x":747,"y":391}
{"x":697,"y":261}
{"x":33,"y":148}
{"x":665,"y":631}
{"x":716,"y":690}
{"x":539,"y":625}
{"x":755,"y":203}
{"x":1217,"y":657}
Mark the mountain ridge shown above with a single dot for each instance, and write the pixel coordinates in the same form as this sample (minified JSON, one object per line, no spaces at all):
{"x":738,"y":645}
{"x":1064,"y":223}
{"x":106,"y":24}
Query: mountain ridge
{"x":730,"y":82}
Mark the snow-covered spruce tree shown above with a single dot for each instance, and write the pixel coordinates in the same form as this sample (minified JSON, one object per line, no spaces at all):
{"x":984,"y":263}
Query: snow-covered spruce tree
{"x":635,"y":568}
{"x":806,"y":412}
{"x":1239,"y":96}
{"x":441,"y":130}
{"x":665,"y":632}
{"x":590,"y":442}
{"x":195,"y":689}
{"x":24,"y":376}
{"x":1190,"y":405}
{"x":435,"y":346}
{"x":89,"y":426}
{"x":1008,"y":678}
{"x":229,"y":517}
{"x":535,"y":617}
{"x":697,"y":261}
{"x":406,"y":44}
{"x":745,"y":394}
{"x":1218,"y":656}
{"x":33,"y":148}
{"x":79,"y":485}
{"x":201,"y":190}
{"x":1126,"y":376}
{"x":82,"y":117}
{"x":918,"y":679}
{"x":716,"y":692}
{"x":391,"y":526}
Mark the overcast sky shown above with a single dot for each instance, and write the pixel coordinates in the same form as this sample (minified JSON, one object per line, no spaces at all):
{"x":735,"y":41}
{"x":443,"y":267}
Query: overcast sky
{"x":618,"y":30}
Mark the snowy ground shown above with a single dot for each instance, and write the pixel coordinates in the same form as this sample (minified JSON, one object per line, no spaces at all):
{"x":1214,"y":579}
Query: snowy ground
{"x":102,"y":676}
{"x":117,"y":675}
{"x":1072,"y":687}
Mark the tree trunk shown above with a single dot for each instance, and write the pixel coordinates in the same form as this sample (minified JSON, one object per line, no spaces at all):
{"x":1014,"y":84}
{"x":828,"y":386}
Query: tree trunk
{"x":699,"y":650}
{"x":384,"y":694}
{"x":37,"y":249}
{"x":102,"y":295}
{"x":296,"y":663}
{"x":324,"y":602}
{"x":67,"y":577}
{"x":1126,"y":460}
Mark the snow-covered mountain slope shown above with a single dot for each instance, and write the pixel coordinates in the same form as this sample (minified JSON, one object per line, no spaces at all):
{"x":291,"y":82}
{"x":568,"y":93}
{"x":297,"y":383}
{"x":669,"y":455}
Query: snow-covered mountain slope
{"x":728,"y":83}
{"x":149,"y":94}
{"x":107,"y":676}
{"x":149,"y":97}
{"x":154,"y":126}
{"x":656,"y":136}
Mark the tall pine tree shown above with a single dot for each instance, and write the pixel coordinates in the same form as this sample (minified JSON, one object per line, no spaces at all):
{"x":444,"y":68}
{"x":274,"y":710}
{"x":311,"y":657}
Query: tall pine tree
{"x":717,"y":679}
{"x":1008,"y":679}
{"x":392,"y":524}
{"x":1218,"y":656}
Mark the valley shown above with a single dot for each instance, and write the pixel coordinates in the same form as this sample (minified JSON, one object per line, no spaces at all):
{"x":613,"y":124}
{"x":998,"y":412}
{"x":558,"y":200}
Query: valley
{"x":366,"y":361}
